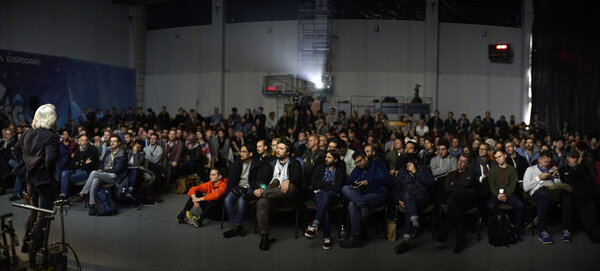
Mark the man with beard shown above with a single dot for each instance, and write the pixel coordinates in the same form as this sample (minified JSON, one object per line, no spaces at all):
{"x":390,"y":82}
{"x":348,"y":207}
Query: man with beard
{"x":281,"y":179}
{"x":327,"y":180}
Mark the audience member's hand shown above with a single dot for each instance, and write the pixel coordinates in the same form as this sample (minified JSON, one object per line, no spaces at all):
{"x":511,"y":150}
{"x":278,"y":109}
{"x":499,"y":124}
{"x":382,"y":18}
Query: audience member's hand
{"x":502,"y":197}
{"x":544,"y":176}
{"x":174,"y":164}
{"x":284,"y":186}
{"x":258,"y":192}
{"x":402,"y":204}
{"x":89,"y":160}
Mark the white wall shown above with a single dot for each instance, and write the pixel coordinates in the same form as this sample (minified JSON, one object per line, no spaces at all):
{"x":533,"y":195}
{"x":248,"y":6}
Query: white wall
{"x":92,"y":30}
{"x":365,"y":62}
{"x":468,"y":82}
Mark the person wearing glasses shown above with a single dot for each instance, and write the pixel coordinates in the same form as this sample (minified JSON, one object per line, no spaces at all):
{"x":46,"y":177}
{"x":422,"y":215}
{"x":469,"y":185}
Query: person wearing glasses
{"x":480,"y":166}
{"x":366,"y":189}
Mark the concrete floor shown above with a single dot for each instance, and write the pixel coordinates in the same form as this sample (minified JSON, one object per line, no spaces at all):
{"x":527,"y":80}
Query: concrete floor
{"x":151,"y":239}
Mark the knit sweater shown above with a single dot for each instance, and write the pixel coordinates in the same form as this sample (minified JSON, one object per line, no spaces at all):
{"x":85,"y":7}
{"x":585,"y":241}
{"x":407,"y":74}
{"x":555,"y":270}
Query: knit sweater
{"x":495,"y":176}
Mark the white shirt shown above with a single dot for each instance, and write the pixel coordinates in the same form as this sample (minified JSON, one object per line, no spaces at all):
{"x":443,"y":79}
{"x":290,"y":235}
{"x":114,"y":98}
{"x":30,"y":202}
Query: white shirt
{"x":281,"y":171}
{"x":531,"y":181}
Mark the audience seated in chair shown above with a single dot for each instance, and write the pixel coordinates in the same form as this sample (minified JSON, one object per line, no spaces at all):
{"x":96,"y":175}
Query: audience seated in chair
{"x":502,"y":179}
{"x":327,"y":180}
{"x":366,"y":189}
{"x":411,"y":191}
{"x":240,"y":187}
{"x":112,"y":170}
{"x":135,"y":163}
{"x":539,"y":176}
{"x":460,"y":185}
{"x":85,"y":159}
{"x":282,"y":179}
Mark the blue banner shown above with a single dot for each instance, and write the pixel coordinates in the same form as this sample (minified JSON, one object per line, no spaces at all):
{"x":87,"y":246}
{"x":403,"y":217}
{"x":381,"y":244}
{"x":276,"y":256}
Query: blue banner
{"x":64,"y":82}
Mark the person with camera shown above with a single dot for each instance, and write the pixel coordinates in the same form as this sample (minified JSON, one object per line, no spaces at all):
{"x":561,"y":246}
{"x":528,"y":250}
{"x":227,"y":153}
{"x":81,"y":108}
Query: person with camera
{"x":206,"y":196}
{"x":327,"y":180}
{"x":240,"y":186}
{"x":366,"y":189}
{"x":543,"y":175}
{"x":411,"y":191}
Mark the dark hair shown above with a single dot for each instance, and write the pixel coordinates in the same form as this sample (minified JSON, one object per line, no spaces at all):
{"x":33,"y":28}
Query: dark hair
{"x":547,"y":153}
{"x":359,"y":153}
{"x":341,"y":144}
{"x":138,"y":142}
{"x":335,"y":154}
{"x":465,"y":156}
{"x":499,"y":150}
{"x":219,"y":171}
{"x":117,"y":136}
{"x":248,"y":147}
{"x":443,"y":142}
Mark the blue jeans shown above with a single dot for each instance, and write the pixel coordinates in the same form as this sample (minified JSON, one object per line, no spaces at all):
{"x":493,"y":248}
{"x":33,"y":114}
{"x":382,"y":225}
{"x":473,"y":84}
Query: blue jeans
{"x":357,"y":201}
{"x":413,"y":205}
{"x":515,"y":202}
{"x":323,"y":200}
{"x":543,"y":207}
{"x":237,"y":217}
{"x":71,"y":176}
{"x":18,"y":184}
{"x":133,"y":176}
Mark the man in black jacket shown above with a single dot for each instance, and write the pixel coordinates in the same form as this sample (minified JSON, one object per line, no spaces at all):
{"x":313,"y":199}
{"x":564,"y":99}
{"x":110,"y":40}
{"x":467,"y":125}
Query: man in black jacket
{"x":85,"y":159}
{"x":327,"y":181}
{"x":280,"y":181}
{"x":240,"y":185}
{"x":37,"y":154}
{"x":459,"y":184}
{"x":578,"y":176}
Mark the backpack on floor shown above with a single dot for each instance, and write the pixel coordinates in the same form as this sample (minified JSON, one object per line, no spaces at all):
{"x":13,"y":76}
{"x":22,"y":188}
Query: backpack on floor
{"x":500,"y":230}
{"x":105,"y":204}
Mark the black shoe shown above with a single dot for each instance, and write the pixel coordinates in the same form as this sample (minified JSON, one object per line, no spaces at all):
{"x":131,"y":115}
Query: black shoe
{"x":230,"y":233}
{"x":65,"y":201}
{"x":264,"y":242}
{"x":460,"y":246}
{"x":352,"y":242}
{"x":25,"y":248}
{"x":92,"y":210}
{"x":181,"y":217}
{"x":402,"y":247}
{"x":442,"y":238}
{"x":14,"y":198}
{"x":416,"y":232}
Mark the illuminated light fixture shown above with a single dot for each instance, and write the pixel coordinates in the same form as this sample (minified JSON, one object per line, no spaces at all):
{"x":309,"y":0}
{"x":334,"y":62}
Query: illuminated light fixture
{"x":501,"y":46}
{"x":271,"y":88}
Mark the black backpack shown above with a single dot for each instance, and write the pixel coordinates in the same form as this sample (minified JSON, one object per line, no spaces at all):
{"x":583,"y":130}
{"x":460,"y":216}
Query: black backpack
{"x":500,"y":230}
{"x":105,"y":204}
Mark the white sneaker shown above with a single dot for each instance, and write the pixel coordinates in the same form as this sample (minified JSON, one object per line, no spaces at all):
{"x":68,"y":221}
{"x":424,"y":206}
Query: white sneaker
{"x":327,"y":243}
{"x":310,"y":232}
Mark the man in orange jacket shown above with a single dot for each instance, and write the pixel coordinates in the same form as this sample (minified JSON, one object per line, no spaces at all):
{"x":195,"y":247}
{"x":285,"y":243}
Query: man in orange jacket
{"x":207,"y":196}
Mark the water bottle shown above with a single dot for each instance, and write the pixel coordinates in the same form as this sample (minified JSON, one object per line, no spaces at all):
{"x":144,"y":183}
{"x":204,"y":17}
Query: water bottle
{"x":343,"y":235}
